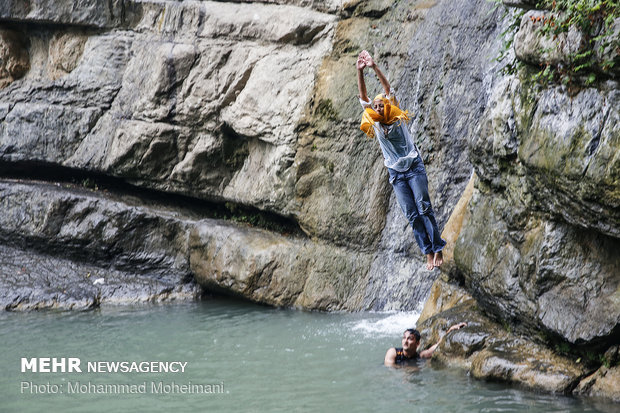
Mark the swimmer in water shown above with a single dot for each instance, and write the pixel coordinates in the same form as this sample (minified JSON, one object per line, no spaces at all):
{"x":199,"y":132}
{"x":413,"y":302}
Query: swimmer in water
{"x":409,"y":349}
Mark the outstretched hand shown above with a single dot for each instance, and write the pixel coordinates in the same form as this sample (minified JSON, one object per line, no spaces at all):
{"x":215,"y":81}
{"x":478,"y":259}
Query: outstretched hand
{"x":361,"y":63}
{"x":364,"y":60}
{"x":368,"y":59}
{"x":456,"y":327}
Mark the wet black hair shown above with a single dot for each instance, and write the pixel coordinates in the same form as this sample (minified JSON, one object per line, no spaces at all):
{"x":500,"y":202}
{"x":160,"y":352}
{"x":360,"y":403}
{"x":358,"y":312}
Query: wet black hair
{"x":415,"y":332}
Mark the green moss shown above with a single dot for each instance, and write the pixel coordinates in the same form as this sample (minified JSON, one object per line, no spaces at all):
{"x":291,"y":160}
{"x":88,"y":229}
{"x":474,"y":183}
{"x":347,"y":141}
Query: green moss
{"x":507,"y":327}
{"x":90,"y":184}
{"x":256,"y":218}
{"x":325,"y":109}
{"x":594,"y":18}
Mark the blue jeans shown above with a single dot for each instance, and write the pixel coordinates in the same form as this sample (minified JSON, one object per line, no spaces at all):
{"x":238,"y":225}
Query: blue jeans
{"x":411,"y":189}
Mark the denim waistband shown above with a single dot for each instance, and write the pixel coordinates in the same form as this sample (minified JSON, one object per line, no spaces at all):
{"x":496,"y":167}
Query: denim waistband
{"x":417,"y":168}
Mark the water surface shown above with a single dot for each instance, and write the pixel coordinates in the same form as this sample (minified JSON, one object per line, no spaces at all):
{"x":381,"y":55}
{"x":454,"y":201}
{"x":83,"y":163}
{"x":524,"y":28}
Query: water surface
{"x":264,"y":359}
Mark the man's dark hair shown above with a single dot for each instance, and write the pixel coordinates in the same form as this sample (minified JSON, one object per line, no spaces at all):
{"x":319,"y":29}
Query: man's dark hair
{"x":415,"y":332}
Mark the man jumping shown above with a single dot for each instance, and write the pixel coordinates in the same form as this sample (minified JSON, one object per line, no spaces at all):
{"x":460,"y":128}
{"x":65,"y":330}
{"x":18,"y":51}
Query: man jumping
{"x":383,"y":119}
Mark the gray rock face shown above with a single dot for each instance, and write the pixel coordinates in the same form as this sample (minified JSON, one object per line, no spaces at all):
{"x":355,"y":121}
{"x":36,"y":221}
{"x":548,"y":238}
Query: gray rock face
{"x":95,"y":13}
{"x":526,"y":272}
{"x":93,"y":227}
{"x":541,"y":238}
{"x":36,"y":281}
{"x":58,"y":241}
{"x":153,"y":251}
{"x":256,"y":106}
{"x":560,"y":149}
{"x":14,"y":59}
{"x":277,"y":270}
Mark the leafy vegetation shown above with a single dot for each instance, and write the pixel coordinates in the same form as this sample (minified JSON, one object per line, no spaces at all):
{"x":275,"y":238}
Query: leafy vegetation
{"x":593,"y":61}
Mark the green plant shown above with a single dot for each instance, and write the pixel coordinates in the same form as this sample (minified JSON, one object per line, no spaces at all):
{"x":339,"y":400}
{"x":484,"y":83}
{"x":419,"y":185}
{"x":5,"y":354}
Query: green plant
{"x":507,"y":327}
{"x":508,"y":39}
{"x":593,"y":18}
{"x":562,"y":349}
{"x":605,"y":361}
{"x":90,"y":184}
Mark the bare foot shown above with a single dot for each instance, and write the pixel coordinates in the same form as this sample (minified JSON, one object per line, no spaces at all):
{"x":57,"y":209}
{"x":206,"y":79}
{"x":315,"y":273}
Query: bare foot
{"x":438,"y":259}
{"x":429,"y":261}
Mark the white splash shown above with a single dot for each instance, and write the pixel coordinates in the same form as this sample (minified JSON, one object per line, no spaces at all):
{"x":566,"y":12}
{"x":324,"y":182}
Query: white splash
{"x":393,"y":324}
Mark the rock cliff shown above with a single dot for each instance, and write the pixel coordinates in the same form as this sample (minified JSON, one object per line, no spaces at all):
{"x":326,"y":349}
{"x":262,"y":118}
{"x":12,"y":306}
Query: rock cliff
{"x":152,"y":150}
{"x":246,"y":108}
{"x":536,"y":264}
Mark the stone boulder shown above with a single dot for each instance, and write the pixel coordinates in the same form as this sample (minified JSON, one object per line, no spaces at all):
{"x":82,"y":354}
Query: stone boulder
{"x":489,"y":351}
{"x":66,"y":247}
{"x":604,"y":383}
{"x":102,"y":14}
{"x":273,"y":269}
{"x":525,"y":271}
{"x":533,"y":46}
{"x":14,"y":57}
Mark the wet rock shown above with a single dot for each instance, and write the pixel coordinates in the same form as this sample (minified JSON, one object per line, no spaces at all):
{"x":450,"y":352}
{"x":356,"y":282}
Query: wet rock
{"x":274,"y":269}
{"x":535,"y":47}
{"x":604,"y":383}
{"x":35,"y":281}
{"x":65,"y":51}
{"x":93,"y":13}
{"x":528,"y":364}
{"x":526,"y":272}
{"x":83,"y":248}
{"x":165,"y":98}
{"x":547,"y":191}
{"x":14,"y":58}
{"x":454,"y":225}
{"x":90,"y":227}
{"x":563,"y":147}
{"x":492,"y":352}
{"x":443,"y":296}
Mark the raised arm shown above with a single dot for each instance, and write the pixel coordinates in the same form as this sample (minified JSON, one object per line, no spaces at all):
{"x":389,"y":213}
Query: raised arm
{"x":371,"y":63}
{"x":361,"y":85}
{"x":428,"y":353}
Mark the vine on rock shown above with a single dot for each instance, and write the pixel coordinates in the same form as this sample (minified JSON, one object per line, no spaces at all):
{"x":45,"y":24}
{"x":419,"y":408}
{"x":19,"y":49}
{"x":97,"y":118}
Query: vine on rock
{"x":595,"y":59}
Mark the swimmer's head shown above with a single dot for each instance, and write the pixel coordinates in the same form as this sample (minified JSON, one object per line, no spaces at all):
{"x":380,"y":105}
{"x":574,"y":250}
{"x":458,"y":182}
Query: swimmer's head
{"x":411,"y":339}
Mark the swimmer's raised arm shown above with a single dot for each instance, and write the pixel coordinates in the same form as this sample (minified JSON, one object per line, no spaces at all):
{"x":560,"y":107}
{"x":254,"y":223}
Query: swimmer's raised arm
{"x":428,"y":353}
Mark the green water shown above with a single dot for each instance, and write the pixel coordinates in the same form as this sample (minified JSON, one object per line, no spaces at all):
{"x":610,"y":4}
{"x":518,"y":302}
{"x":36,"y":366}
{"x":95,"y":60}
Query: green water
{"x":261,"y":359}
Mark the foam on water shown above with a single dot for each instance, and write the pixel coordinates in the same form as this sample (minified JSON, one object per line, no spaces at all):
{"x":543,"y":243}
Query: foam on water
{"x":392,"y":325}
